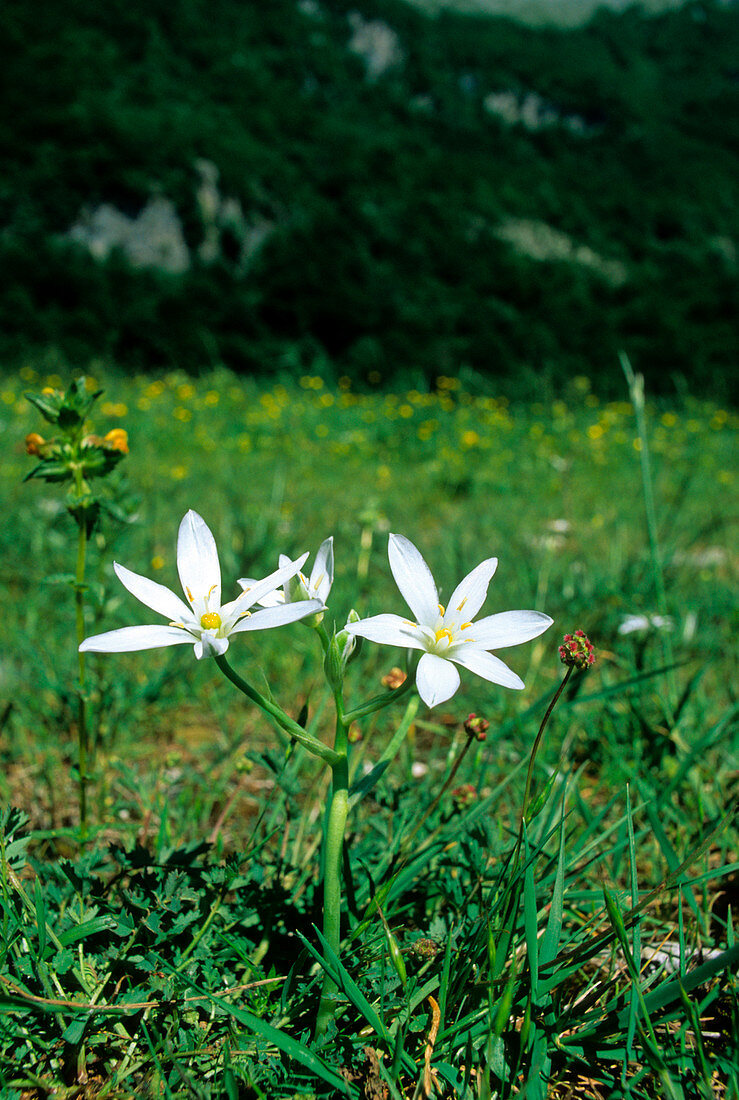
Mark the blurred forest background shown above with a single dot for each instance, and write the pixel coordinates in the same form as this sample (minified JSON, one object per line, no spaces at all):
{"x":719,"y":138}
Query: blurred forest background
{"x":372,"y":189}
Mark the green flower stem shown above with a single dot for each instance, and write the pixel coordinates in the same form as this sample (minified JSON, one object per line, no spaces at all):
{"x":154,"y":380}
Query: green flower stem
{"x":535,"y":749}
{"x":278,"y":715}
{"x":79,"y":599}
{"x":333,"y":847}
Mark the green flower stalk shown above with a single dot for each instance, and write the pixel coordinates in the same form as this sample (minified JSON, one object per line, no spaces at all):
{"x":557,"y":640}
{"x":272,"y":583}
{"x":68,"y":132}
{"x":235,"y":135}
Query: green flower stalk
{"x":76,"y":457}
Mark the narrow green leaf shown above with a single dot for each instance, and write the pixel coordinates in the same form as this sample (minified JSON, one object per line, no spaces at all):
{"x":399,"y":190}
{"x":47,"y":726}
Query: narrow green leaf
{"x":40,"y":917}
{"x":671,"y":856}
{"x":84,"y":929}
{"x":281,"y":1041}
{"x":636,"y":937}
{"x":669,"y":992}
{"x":530,"y":922}
{"x":550,"y":941}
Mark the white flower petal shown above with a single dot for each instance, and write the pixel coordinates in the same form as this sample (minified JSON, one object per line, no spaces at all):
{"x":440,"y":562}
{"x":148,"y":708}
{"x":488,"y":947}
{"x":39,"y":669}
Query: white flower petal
{"x":209,"y":644}
{"x":508,"y":628}
{"x":469,"y":595}
{"x":413,"y":578}
{"x":322,"y":574}
{"x":271,"y":599}
{"x":156,"y":596}
{"x":436,"y":679}
{"x":389,"y":630}
{"x":131,"y":638}
{"x":488,"y":666}
{"x":255,"y":591}
{"x":277,"y":616}
{"x":197,"y":560}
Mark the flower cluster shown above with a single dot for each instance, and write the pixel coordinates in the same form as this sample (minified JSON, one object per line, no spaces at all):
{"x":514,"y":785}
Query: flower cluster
{"x":445,"y":637}
{"x":71,"y":455}
{"x":476,"y":726}
{"x":577,"y":650}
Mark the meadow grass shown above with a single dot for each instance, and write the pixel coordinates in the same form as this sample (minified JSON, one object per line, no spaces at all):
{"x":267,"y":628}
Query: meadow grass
{"x":176,"y":953}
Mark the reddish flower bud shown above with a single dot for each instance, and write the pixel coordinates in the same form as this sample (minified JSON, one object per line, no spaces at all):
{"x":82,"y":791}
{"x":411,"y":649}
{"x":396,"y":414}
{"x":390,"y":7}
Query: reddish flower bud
{"x":577,"y":650}
{"x":464,"y":796}
{"x":476,"y":727}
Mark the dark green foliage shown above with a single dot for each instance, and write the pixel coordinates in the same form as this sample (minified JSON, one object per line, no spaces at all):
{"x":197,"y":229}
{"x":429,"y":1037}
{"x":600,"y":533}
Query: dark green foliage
{"x":385,"y":196}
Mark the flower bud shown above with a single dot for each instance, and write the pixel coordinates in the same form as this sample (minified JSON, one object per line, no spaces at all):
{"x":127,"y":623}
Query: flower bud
{"x":117,"y":440}
{"x":395,"y":678}
{"x":577,"y":651}
{"x":425,"y":948}
{"x":350,"y":644}
{"x":34,"y":443}
{"x":476,"y":727}
{"x":333,"y":665}
{"x":464,"y":796}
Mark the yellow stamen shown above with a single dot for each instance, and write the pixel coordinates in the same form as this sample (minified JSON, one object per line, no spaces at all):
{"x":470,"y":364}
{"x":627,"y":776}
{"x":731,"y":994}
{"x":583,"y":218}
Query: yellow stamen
{"x":465,"y":625}
{"x":441,"y":609}
{"x":464,"y":601}
{"x":444,"y":633}
{"x":211,"y":620}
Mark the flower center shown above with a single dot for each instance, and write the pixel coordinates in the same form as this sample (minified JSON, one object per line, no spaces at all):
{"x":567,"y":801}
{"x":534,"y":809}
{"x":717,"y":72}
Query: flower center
{"x":211,"y":620}
{"x":444,"y":637}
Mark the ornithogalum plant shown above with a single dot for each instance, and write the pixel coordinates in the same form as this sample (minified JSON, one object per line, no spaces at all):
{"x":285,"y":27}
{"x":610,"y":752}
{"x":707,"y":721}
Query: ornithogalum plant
{"x":75,"y":456}
{"x":446,"y":638}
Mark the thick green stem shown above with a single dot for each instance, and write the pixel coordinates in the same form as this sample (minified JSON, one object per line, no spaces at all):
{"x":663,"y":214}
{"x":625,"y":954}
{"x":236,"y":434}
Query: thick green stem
{"x":79,"y":598}
{"x":333,"y":848}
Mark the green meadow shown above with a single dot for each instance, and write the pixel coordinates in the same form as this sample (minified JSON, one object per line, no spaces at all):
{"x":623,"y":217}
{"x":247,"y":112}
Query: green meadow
{"x":175,"y":951}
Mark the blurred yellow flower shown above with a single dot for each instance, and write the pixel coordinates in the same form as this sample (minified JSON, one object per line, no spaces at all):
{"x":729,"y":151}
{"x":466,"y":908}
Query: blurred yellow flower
{"x":117,"y":440}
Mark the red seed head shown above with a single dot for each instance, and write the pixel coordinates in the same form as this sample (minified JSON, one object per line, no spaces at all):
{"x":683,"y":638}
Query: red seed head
{"x":476,"y":726}
{"x":577,"y":651}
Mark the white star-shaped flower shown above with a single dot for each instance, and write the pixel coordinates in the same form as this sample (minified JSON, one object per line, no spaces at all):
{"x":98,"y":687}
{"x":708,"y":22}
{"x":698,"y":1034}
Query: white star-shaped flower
{"x":203,"y":621}
{"x":449,"y":637}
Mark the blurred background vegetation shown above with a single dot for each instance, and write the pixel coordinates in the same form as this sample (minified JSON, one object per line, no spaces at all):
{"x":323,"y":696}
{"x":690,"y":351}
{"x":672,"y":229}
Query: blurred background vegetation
{"x":360,"y":189}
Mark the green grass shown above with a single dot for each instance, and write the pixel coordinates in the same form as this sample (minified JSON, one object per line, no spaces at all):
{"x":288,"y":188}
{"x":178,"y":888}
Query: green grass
{"x":176,"y":954}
